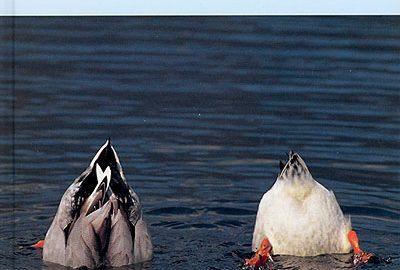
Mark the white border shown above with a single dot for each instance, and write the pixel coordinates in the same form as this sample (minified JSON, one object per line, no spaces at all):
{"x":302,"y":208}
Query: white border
{"x":198,"y":7}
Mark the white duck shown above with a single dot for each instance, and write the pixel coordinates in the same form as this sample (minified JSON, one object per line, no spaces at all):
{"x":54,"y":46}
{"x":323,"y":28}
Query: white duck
{"x":300,"y":217}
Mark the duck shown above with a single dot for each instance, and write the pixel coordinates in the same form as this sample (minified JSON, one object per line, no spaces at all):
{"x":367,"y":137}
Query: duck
{"x":99,"y":220}
{"x":298,"y":216}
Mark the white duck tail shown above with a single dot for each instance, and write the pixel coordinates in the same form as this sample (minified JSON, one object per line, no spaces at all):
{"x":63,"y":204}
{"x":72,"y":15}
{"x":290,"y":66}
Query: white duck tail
{"x":299,"y":216}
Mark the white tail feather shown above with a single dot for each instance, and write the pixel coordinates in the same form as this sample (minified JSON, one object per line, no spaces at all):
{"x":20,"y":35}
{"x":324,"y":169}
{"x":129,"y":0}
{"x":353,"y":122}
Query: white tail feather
{"x":100,"y":174}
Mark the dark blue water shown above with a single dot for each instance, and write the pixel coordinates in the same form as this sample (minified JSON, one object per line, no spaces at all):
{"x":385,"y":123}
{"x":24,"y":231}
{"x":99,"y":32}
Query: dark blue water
{"x":200,"y":109}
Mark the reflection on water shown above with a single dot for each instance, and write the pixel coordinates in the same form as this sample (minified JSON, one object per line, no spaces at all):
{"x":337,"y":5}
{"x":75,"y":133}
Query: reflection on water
{"x":200,"y":111}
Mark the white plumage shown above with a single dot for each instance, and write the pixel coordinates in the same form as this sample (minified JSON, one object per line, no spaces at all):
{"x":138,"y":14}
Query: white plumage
{"x":299,"y":216}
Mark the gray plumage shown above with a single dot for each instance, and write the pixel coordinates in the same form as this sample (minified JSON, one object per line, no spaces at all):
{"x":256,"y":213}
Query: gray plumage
{"x":99,"y":220}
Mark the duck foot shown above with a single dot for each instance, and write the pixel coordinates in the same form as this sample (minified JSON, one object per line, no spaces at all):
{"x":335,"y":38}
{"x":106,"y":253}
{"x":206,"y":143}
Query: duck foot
{"x":359,"y":257}
{"x":39,"y":244}
{"x":262,"y":255}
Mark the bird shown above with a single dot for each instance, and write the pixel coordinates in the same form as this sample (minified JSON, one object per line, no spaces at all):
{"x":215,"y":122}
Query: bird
{"x":298,"y":216}
{"x":99,"y":221}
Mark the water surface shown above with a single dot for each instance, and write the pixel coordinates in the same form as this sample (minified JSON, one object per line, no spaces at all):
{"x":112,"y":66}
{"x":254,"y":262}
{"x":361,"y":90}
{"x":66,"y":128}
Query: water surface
{"x":200,"y":110}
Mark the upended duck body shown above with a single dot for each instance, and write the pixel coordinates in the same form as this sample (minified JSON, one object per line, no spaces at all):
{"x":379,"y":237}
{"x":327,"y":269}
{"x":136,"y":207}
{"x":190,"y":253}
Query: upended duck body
{"x":99,"y":220}
{"x":298,"y":216}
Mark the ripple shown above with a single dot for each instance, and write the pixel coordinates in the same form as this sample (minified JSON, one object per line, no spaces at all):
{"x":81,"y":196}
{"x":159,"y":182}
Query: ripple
{"x":172,"y":211}
{"x":372,"y":212}
{"x":195,"y":226}
{"x":201,"y":109}
{"x":230,"y":223}
{"x":230,"y":211}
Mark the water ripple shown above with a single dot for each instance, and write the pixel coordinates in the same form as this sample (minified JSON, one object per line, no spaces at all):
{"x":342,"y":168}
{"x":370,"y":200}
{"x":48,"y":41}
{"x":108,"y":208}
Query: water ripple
{"x":200,"y":110}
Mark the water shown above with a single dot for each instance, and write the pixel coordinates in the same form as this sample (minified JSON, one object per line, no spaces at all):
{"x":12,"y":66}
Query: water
{"x":200,"y":110}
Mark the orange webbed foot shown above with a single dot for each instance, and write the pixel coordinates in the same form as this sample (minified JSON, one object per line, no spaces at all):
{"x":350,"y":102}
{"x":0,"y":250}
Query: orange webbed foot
{"x":359,"y":257}
{"x":39,"y":244}
{"x":262,"y":255}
